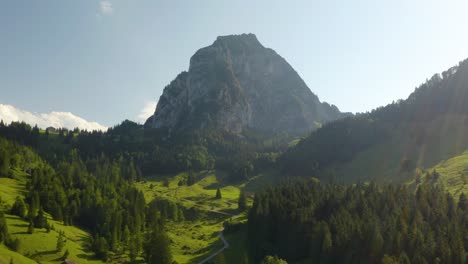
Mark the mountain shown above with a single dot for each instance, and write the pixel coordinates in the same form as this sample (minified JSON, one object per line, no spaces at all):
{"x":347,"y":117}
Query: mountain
{"x":391,"y":142}
{"x":237,"y":84}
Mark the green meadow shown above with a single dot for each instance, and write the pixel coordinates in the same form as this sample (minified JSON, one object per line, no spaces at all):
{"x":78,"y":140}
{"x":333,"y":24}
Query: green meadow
{"x":41,"y":245}
{"x":198,"y":238}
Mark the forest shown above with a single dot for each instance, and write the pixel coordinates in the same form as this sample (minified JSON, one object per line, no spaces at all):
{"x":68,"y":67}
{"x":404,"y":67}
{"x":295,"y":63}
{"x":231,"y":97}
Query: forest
{"x":363,"y":223}
{"x":86,"y":179}
{"x":96,"y":194}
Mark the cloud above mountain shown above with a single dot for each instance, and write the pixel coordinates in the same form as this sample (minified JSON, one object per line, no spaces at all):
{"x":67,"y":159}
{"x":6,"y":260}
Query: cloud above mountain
{"x":9,"y":113}
{"x":147,"y":111}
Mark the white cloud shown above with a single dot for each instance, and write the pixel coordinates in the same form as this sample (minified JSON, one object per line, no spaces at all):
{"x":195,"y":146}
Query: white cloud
{"x":68,"y":120}
{"x":106,"y":7}
{"x":147,"y":111}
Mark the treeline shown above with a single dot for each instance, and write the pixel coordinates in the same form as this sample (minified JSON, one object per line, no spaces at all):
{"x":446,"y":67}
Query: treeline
{"x":16,"y":159}
{"x":97,"y":195}
{"x":364,"y":223}
{"x":151,"y":151}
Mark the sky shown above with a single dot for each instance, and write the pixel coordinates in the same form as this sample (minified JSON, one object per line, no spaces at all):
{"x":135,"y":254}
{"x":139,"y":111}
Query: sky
{"x":109,"y":60}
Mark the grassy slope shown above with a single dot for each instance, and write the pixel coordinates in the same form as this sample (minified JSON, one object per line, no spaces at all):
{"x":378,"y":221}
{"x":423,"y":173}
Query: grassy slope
{"x":194,"y":240}
{"x":6,"y":255}
{"x":9,"y":189}
{"x":39,"y":246}
{"x":453,"y":170}
{"x":441,"y":139}
{"x":454,"y":174}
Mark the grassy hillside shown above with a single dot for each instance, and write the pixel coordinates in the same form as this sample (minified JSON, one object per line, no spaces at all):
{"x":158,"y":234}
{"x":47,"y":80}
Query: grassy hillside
{"x":41,"y":245}
{"x":389,"y":142}
{"x":198,"y":236}
{"x":454,"y":174}
{"x":7,"y":255}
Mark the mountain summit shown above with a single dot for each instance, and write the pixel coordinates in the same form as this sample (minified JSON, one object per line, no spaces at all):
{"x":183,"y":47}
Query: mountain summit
{"x":237,"y":84}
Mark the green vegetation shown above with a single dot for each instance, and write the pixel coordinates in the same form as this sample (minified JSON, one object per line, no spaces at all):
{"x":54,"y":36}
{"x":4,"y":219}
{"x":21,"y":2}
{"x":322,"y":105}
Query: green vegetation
{"x":196,"y":236}
{"x":41,"y":245}
{"x":146,"y":196}
{"x":6,"y":255}
{"x":418,"y":132}
{"x":273,"y":260}
{"x":454,"y":174}
{"x":304,"y":220}
{"x":97,"y":194}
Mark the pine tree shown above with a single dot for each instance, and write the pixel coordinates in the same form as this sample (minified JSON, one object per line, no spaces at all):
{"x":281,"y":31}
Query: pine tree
{"x":404,"y":259}
{"x":327,"y":241}
{"x":126,"y":236}
{"x":134,"y":246}
{"x":65,"y":255}
{"x":40,"y":221}
{"x":181,"y":215}
{"x":60,"y":242}
{"x":242,"y":202}
{"x":4,"y":164}
{"x":31,"y":227}
{"x":218,"y":194}
{"x":4,"y":235}
{"x":19,"y":208}
{"x":157,"y":249}
{"x":101,"y":247}
{"x":462,"y":202}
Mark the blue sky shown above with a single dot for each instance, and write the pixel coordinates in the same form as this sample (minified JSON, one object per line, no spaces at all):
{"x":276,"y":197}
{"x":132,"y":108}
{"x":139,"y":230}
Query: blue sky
{"x":106,"y":60}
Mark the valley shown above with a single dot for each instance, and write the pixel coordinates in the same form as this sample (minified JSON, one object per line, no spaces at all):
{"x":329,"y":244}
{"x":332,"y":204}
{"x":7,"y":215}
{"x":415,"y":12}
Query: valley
{"x":240,"y":162}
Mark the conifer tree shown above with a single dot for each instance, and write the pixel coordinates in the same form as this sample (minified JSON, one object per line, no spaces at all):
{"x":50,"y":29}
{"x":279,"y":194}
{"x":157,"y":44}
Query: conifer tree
{"x":19,"y":208}
{"x":157,"y":250}
{"x":242,"y":201}
{"x":60,"y":242}
{"x":31,"y":227}
{"x":40,"y":221}
{"x":218,"y":194}
{"x":4,"y":235}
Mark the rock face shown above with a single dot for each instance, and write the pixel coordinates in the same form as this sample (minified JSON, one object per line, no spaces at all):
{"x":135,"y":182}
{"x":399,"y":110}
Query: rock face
{"x":236,"y":84}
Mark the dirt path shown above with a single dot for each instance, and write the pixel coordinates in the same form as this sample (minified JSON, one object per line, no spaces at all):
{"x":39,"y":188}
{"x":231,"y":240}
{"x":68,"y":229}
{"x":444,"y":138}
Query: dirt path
{"x":226,"y":245}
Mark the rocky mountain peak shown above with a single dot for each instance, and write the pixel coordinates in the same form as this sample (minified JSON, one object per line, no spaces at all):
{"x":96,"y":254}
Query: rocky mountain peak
{"x":236,"y":84}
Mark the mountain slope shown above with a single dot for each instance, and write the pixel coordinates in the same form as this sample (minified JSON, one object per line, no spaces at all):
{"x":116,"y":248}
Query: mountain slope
{"x":390,"y":142}
{"x":453,"y":174}
{"x":237,"y":84}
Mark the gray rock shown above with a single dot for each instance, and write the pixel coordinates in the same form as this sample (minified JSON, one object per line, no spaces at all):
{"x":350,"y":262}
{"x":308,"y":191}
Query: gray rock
{"x":237,"y":84}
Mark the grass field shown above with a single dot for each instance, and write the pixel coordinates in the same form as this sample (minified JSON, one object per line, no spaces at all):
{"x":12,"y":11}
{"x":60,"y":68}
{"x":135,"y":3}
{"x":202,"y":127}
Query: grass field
{"x":41,"y":246}
{"x":454,"y":174}
{"x":193,"y":240}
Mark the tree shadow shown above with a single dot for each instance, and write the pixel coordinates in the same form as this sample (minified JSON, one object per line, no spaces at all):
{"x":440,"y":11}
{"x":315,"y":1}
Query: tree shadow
{"x":20,"y":233}
{"x":42,"y":253}
{"x":20,"y":225}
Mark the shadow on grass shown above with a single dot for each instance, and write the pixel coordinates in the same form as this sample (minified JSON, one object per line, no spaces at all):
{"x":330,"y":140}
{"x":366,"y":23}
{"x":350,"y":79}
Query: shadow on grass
{"x":213,"y":186}
{"x":43,"y":253}
{"x":20,"y":233}
{"x":88,"y":253}
{"x":12,"y":217}
{"x":20,"y":225}
{"x":86,"y":256}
